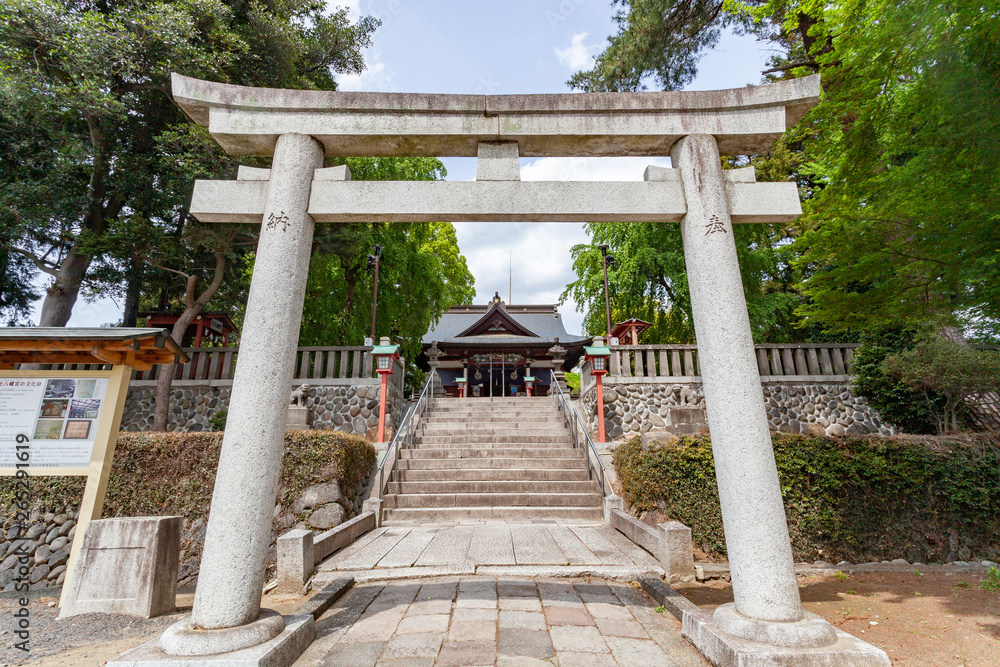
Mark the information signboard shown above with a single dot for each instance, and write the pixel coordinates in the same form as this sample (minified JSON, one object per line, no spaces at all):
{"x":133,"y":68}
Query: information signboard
{"x":59,"y":415}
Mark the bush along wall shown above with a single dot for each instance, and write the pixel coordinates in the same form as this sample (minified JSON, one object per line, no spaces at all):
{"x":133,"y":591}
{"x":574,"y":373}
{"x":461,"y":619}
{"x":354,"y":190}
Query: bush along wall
{"x":324,"y":476}
{"x":856,"y":499}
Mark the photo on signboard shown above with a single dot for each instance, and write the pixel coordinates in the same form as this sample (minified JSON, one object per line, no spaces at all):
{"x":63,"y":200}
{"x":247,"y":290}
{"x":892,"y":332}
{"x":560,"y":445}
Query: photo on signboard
{"x":85,"y":388}
{"x":48,"y":429}
{"x":77,"y":429}
{"x":53,"y":407}
{"x":60,"y":388}
{"x":85,"y":409}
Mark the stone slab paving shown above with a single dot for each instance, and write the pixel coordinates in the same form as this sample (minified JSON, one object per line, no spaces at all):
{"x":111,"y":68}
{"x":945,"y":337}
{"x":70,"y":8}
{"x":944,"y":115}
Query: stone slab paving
{"x":541,"y":548}
{"x":503,"y":621}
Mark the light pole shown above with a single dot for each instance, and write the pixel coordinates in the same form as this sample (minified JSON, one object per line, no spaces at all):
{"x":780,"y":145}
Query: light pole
{"x":529,"y":382}
{"x":384,"y":353}
{"x":605,"y":260}
{"x":598,"y":355}
{"x":373,"y":264}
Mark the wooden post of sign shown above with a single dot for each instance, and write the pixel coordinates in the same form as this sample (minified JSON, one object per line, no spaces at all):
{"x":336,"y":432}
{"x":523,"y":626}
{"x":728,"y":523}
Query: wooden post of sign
{"x":100,"y":461}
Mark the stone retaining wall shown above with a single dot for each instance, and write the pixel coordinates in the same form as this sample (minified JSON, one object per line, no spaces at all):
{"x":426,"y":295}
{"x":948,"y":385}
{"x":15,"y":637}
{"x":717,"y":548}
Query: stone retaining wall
{"x":819,"y":408}
{"x":348,"y":408}
{"x":51,"y":531}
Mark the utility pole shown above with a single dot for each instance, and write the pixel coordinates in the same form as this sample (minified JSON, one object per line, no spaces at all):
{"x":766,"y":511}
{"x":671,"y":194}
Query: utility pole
{"x":605,"y":260}
{"x":373,"y":264}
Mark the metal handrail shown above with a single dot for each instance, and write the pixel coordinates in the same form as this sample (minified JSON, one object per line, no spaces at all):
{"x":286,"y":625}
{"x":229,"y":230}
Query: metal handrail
{"x":564,"y":407}
{"x":593,"y":448}
{"x":572,"y":418}
{"x":404,"y":434}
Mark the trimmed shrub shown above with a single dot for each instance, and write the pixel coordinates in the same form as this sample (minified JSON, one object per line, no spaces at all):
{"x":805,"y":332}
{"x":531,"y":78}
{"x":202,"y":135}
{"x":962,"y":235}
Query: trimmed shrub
{"x":174,"y":473}
{"x":858,"y":499}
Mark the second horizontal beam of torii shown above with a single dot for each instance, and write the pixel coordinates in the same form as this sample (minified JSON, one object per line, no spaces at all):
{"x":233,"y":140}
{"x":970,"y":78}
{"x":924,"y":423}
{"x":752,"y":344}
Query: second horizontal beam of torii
{"x":335,"y":198}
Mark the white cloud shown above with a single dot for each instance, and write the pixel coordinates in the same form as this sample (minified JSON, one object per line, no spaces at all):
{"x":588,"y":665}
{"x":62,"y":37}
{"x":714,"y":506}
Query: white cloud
{"x":577,"y":55}
{"x":377,"y":76}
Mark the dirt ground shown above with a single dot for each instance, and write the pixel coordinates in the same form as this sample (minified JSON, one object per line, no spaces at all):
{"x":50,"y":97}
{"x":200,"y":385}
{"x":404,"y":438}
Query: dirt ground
{"x":929,"y":620}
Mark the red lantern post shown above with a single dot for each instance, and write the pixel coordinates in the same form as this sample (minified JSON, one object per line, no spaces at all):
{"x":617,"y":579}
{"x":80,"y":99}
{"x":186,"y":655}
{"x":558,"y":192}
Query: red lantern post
{"x":598,"y":358}
{"x":529,"y":383}
{"x":384,"y":354}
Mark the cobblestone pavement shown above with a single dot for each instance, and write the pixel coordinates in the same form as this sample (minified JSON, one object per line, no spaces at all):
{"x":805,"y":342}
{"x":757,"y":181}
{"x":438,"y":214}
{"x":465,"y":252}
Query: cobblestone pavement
{"x":491,"y":548}
{"x":497,"y":621}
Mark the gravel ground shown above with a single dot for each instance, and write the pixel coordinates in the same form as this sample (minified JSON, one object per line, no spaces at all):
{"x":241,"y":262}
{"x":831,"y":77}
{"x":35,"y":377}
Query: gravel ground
{"x":50,"y":636}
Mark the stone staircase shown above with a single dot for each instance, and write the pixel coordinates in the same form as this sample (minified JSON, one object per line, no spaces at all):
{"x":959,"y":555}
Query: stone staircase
{"x":492,"y":458}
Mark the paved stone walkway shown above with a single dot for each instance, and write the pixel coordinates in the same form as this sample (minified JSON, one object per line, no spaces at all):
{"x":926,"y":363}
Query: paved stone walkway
{"x":529,"y":548}
{"x":497,"y":621}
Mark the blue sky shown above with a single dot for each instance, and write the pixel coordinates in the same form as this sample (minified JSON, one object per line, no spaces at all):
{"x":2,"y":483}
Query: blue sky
{"x":516,"y":46}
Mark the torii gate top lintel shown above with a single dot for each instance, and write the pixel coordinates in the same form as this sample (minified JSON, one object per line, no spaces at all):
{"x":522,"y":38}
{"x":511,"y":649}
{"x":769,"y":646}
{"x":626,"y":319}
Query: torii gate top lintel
{"x":247,"y":121}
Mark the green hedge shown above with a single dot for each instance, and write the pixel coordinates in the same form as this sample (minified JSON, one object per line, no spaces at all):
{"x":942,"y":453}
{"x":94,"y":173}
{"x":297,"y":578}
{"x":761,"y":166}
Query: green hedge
{"x":857,"y":499}
{"x":174,"y":473}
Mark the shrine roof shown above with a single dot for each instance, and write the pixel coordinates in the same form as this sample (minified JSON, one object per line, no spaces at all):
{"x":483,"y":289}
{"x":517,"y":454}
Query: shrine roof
{"x":542,"y":320}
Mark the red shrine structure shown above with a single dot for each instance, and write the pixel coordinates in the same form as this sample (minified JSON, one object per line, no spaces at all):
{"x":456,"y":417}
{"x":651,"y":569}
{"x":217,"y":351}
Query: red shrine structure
{"x":628,"y":332}
{"x":494,"y":346}
{"x":215,"y":326}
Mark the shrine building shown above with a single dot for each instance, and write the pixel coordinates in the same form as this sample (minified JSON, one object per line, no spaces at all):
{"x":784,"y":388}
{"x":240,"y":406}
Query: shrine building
{"x":494,"y":346}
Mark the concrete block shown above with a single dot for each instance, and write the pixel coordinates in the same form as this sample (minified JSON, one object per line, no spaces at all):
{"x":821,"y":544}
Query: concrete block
{"x":497,"y":161}
{"x":339,"y":537}
{"x":282,"y":651}
{"x":669,"y":542}
{"x":298,"y":419}
{"x":723,"y":650}
{"x":296,"y":560}
{"x":677,"y":552}
{"x":374,"y":505}
{"x":612,"y":503}
{"x":126,"y":566}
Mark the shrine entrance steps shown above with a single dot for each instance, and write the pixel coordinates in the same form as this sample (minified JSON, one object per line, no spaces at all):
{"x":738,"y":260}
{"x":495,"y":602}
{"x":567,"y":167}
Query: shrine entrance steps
{"x":492,"y":458}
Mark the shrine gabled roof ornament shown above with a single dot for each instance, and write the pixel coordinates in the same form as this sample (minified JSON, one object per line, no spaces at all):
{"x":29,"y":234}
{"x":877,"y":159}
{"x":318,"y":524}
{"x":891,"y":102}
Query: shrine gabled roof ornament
{"x":497,"y":322}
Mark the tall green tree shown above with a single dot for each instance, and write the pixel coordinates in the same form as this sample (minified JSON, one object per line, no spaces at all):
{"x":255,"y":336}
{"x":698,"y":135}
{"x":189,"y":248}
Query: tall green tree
{"x":421,"y":271}
{"x":648,"y":280}
{"x":897,"y":165}
{"x":85,"y":107}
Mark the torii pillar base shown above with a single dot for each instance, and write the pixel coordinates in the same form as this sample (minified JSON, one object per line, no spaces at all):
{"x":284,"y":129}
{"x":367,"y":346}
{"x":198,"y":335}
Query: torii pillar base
{"x":724,"y":650}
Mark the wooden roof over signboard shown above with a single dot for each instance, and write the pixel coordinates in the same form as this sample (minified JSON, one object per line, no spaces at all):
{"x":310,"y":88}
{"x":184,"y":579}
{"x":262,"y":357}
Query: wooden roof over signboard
{"x":140,"y":348}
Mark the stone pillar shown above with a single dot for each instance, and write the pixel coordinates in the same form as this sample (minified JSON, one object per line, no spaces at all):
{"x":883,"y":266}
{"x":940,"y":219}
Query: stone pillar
{"x":239,"y":524}
{"x":760,"y":556}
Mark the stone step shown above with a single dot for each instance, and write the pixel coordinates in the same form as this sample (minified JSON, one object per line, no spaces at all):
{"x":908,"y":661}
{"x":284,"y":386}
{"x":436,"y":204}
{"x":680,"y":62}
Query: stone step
{"x":578,"y":474}
{"x":493,"y":421}
{"x":467,"y":452}
{"x":506,"y":438}
{"x":493,"y":462}
{"x":491,"y":486}
{"x":500,"y":513}
{"x":514,"y":428}
{"x":427,"y":500}
{"x":501,"y":416}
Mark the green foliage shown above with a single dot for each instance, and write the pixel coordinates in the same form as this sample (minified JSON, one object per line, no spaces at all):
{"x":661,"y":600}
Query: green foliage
{"x":98,"y":162}
{"x":649,"y":280}
{"x":421,"y":271}
{"x":218,"y":420}
{"x":897,"y":165}
{"x":174,"y":473}
{"x":572,"y":381}
{"x":894,"y":401}
{"x":991,"y":583}
{"x":941,"y":369}
{"x":857,"y":499}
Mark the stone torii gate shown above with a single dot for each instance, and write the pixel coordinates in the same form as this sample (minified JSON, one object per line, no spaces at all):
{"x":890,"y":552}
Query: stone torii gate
{"x":298,"y":128}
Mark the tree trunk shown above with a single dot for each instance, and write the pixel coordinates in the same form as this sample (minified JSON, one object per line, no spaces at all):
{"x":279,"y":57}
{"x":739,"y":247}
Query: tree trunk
{"x":132,"y":293}
{"x":165,"y":377}
{"x":62,"y":294}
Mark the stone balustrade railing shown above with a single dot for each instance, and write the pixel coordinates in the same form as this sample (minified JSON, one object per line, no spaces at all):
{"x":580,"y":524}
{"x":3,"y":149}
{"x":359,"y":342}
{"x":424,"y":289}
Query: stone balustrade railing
{"x":314,"y":365}
{"x":679,"y":363}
